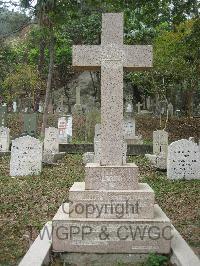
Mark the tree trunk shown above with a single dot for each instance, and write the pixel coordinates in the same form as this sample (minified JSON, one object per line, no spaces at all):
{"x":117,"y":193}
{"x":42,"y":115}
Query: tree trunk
{"x":49,"y":83}
{"x":189,"y":103}
{"x":41,"y":61}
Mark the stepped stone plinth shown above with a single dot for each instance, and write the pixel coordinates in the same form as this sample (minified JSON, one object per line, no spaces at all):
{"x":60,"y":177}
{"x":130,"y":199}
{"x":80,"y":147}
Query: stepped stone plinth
{"x":111,"y":204}
{"x":97,"y":235}
{"x":111,"y":212}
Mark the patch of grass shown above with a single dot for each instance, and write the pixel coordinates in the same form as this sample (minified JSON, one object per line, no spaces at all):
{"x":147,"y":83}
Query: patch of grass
{"x":156,"y":260}
{"x":179,"y":199}
{"x":27,"y":203}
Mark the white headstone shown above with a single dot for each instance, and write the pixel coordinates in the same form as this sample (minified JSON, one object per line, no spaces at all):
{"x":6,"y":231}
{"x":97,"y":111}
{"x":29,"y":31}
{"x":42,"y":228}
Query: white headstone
{"x":14,"y":107}
{"x":62,"y":129}
{"x":51,"y":144}
{"x":170,"y":109}
{"x":129,"y":108}
{"x":160,"y":142}
{"x":129,"y":131}
{"x":129,"y":127}
{"x":26,"y":156}
{"x":183,"y":160}
{"x":4,"y":139}
{"x":41,"y":107}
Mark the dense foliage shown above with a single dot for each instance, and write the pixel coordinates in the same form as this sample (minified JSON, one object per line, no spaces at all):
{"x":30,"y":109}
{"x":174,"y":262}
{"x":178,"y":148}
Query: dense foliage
{"x":172,"y":27}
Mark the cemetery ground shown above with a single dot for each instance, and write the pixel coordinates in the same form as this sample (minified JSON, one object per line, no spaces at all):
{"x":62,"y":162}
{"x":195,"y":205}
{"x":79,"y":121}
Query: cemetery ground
{"x":29,"y":202}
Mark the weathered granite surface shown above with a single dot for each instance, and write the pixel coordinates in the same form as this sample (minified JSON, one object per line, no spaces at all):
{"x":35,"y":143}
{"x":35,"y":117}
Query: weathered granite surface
{"x":140,"y":230}
{"x":111,"y":204}
{"x":99,"y":177}
{"x":112,"y":56}
{"x":88,"y":157}
{"x":120,"y":235}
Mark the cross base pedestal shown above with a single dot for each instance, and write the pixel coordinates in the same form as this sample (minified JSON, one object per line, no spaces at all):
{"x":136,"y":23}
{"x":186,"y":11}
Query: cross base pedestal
{"x":111,"y":235}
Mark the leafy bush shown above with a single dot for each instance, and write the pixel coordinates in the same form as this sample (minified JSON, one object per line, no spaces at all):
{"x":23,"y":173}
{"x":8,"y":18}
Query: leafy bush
{"x":156,"y":260}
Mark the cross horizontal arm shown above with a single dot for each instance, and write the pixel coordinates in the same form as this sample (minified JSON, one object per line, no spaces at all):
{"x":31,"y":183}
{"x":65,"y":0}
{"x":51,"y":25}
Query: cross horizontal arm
{"x":87,"y":57}
{"x":138,"y":57}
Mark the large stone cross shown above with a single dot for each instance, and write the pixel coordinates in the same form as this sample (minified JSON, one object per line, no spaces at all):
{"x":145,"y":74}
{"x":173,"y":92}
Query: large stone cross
{"x":112,"y":56}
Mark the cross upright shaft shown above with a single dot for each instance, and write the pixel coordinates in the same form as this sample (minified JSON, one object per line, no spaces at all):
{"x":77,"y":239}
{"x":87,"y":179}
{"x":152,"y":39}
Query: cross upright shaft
{"x":111,"y":57}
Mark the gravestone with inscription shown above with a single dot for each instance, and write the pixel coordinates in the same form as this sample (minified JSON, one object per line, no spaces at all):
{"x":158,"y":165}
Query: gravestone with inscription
{"x":160,"y":142}
{"x":111,"y":183}
{"x":62,"y":129}
{"x":30,"y":124}
{"x":26,"y":156}
{"x":183,"y":160}
{"x":4,"y":139}
{"x":160,"y":149}
{"x":51,"y":144}
{"x":3,"y":116}
{"x":129,"y":128}
{"x":129,"y":131}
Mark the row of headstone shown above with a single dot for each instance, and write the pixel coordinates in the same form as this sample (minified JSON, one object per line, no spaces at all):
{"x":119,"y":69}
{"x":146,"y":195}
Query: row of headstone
{"x":161,"y":109}
{"x":181,"y":158}
{"x":29,"y":121}
{"x":148,"y":107}
{"x":28,"y":153}
{"x":30,"y":125}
